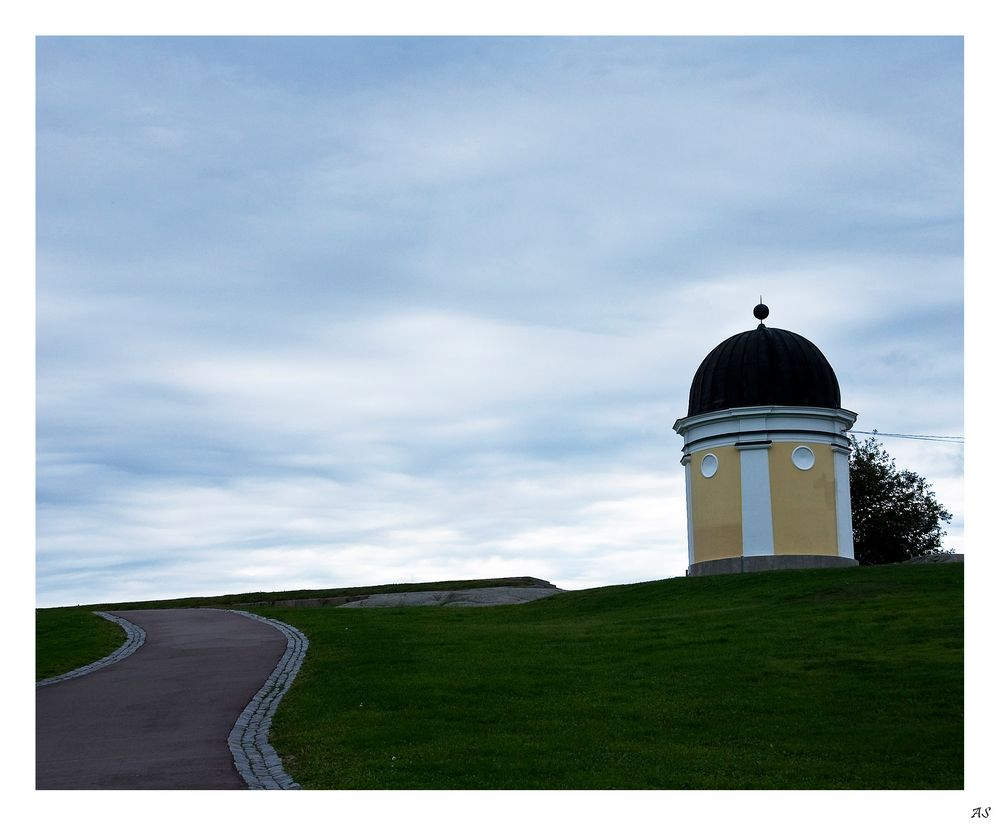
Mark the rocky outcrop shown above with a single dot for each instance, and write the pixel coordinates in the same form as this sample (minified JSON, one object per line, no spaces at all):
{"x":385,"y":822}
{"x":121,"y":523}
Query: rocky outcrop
{"x":472,"y":597}
{"x":934,"y":558}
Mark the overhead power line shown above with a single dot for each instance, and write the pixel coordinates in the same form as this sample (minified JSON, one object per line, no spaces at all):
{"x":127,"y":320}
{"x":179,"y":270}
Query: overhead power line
{"x":954,"y":440}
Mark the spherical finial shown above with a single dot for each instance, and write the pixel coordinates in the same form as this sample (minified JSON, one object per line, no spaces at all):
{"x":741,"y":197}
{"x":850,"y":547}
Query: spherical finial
{"x":760,"y":312}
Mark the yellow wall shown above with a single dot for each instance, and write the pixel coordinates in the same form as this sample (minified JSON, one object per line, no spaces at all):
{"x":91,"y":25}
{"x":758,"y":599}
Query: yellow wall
{"x":803,"y":502}
{"x":716,"y":508}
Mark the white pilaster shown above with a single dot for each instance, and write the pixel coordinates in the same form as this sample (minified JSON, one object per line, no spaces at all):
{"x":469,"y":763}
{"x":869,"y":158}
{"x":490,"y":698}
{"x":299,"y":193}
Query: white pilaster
{"x":842,"y":487}
{"x":755,"y":482}
{"x":686,"y":461}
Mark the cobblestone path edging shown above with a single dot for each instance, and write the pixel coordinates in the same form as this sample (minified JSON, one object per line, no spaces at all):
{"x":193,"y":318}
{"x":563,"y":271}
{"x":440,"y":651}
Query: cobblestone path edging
{"x":256,"y":760}
{"x":134,"y":637}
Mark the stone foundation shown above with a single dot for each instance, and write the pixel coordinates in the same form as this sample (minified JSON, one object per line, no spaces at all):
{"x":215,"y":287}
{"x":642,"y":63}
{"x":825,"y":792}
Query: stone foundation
{"x":778,"y":562}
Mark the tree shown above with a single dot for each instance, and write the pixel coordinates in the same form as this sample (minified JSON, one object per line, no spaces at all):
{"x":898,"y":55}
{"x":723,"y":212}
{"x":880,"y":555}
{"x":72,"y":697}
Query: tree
{"x":895,"y":513}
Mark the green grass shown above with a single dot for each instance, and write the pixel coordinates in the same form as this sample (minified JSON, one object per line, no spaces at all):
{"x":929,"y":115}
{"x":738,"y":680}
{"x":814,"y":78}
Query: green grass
{"x":67,"y":638}
{"x":821,"y":679}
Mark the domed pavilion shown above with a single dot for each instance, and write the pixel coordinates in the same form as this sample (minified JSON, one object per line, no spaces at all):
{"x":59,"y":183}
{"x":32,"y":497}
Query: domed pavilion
{"x":765,"y":457}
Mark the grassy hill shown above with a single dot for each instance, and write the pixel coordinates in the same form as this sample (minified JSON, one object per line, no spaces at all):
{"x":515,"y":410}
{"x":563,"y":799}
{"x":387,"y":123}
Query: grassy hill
{"x":801,"y":679}
{"x":824,"y":679}
{"x":263,"y":598}
{"x":70,"y":637}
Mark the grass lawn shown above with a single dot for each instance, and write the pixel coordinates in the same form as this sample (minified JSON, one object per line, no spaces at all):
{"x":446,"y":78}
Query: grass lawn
{"x":825,"y":679}
{"x":67,"y":638}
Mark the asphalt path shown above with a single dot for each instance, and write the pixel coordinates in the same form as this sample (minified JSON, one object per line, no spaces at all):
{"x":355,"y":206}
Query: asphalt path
{"x":160,"y":718}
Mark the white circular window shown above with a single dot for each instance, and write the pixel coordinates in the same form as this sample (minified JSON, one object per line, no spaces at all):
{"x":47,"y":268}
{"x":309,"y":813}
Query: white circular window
{"x":803,"y":458}
{"x":709,"y":465}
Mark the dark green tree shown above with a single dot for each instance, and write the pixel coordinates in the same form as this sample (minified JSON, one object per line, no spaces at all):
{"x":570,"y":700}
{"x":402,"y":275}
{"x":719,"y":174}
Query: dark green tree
{"x":895,"y":513}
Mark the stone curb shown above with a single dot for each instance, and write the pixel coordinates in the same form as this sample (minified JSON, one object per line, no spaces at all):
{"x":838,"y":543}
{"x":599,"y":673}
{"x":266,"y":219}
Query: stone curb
{"x":256,"y":760}
{"x":134,"y":637}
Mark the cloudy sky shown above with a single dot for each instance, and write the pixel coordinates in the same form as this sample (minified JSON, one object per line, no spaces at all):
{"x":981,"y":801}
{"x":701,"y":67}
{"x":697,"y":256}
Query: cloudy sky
{"x":343,"y":311}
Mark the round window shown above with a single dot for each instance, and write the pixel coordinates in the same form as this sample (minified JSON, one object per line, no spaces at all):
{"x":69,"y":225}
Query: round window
{"x":803,"y":458}
{"x":709,"y":465}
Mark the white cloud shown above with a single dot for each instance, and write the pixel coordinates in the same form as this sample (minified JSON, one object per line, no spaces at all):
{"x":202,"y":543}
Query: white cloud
{"x":360,"y":311}
{"x":261,"y":534}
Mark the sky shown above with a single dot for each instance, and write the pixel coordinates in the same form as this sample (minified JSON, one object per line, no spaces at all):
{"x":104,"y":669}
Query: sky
{"x":320,"y":312}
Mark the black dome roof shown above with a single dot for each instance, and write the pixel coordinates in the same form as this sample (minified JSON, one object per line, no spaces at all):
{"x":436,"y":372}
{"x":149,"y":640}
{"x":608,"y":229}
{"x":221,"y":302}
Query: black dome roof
{"x":763,"y":367}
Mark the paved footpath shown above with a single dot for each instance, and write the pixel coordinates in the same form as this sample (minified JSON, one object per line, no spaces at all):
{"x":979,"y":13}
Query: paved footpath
{"x":160,"y":718}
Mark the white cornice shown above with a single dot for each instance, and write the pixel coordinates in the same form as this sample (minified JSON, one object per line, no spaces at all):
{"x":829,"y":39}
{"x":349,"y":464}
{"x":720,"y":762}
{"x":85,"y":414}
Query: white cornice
{"x":774,"y":422}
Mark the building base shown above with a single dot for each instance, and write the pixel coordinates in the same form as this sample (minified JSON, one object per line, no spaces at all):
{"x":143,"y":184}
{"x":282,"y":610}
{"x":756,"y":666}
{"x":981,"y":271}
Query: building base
{"x":777,"y":562}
